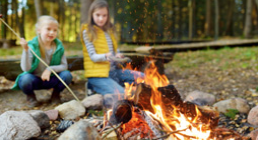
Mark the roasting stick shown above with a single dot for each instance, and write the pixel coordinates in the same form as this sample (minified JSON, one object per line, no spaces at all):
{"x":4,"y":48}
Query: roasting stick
{"x":41,"y":60}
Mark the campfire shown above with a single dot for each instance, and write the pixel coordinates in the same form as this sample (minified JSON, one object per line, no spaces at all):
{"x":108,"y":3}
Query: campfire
{"x":156,"y":111}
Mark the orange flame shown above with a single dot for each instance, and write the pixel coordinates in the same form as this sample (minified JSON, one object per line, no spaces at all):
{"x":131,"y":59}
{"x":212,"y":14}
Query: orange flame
{"x":194,"y":130}
{"x":176,"y":120}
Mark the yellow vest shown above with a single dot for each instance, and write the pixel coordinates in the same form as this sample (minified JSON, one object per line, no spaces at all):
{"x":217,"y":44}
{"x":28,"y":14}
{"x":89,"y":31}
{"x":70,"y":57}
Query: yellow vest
{"x":98,"y":69}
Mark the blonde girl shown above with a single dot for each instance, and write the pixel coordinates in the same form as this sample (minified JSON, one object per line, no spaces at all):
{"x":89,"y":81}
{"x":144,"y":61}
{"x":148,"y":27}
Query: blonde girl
{"x":36,"y":75}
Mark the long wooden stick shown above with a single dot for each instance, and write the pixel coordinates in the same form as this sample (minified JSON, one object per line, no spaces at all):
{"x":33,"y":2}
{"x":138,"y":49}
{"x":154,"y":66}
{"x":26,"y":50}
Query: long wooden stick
{"x":42,"y":61}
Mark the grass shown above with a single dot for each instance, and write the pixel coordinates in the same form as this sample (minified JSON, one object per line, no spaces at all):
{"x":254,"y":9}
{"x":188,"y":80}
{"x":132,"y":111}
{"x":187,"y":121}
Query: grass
{"x":225,"y":58}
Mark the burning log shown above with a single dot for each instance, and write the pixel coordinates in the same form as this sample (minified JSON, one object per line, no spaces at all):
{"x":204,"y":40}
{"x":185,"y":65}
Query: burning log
{"x":171,"y":101}
{"x":122,"y":111}
{"x":141,"y":126}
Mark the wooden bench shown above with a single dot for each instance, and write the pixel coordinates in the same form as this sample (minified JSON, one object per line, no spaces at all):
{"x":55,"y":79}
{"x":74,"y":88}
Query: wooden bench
{"x":10,"y":69}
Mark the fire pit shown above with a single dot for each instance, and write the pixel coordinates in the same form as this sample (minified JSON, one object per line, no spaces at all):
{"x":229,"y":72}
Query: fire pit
{"x":156,"y":111}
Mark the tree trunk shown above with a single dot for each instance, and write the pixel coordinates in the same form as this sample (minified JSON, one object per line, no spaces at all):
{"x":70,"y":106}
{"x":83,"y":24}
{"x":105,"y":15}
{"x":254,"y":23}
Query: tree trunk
{"x":4,"y":5}
{"x":61,"y":17}
{"x":70,"y":21}
{"x":229,"y":25}
{"x":191,"y":7}
{"x":180,"y":15}
{"x":248,"y":19}
{"x":22,"y":24}
{"x":207,"y":26}
{"x":160,"y":26}
{"x":85,"y":5}
{"x":77,"y":33}
{"x":38,"y":7}
{"x":17,"y":19}
{"x":216,"y":19}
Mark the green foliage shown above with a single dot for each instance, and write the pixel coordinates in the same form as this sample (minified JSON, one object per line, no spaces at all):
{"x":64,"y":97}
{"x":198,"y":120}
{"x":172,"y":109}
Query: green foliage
{"x":231,"y":113}
{"x":95,"y":112}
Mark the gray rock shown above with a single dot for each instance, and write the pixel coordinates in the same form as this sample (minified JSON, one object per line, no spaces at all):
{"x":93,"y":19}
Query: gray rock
{"x":17,"y":125}
{"x":94,"y":102}
{"x":52,"y":114}
{"x":43,"y":95}
{"x":200,"y":98}
{"x":81,"y":130}
{"x":252,"y":117}
{"x":234,"y":103}
{"x":71,"y":110}
{"x":41,"y":118}
{"x":254,"y":134}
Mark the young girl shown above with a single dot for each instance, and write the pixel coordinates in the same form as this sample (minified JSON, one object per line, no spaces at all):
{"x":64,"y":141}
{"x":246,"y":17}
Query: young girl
{"x":99,"y":44}
{"x":36,"y":75}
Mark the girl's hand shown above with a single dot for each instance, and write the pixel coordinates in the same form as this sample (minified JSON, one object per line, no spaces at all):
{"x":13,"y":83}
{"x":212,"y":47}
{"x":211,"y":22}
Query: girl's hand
{"x":46,"y":75}
{"x":24,"y":44}
{"x":108,"y":55}
{"x":119,"y":55}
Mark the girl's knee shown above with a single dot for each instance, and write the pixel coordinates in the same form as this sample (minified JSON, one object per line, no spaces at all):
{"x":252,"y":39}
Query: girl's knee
{"x":26,"y":80}
{"x":67,"y":76}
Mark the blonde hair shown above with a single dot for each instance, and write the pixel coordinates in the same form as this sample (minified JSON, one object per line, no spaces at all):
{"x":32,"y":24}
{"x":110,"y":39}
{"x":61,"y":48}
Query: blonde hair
{"x":109,"y":27}
{"x":41,"y":21}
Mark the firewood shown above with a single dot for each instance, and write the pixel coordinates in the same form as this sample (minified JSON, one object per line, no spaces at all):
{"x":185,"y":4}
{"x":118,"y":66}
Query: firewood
{"x":171,"y":100}
{"x":142,"y":97}
{"x":122,"y":111}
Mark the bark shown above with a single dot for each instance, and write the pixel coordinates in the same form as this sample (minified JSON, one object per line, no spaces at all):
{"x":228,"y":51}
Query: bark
{"x":160,"y":26}
{"x":38,"y":7}
{"x":4,"y":5}
{"x":248,"y":19}
{"x":190,"y":6}
{"x":61,"y":17}
{"x":22,"y":24}
{"x":229,"y":24}
{"x":208,"y":19}
{"x":217,"y":17}
{"x":85,"y":5}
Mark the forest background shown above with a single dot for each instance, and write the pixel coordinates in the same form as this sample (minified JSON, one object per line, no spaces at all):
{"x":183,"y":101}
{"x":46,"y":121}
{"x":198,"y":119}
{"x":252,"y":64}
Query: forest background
{"x":140,"y":20}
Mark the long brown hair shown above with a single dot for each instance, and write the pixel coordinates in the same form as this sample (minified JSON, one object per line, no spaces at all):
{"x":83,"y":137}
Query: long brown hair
{"x":108,"y":27}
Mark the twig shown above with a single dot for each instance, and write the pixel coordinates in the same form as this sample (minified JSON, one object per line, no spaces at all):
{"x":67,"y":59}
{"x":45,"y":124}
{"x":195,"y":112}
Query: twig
{"x":167,"y":135}
{"x":113,"y":129}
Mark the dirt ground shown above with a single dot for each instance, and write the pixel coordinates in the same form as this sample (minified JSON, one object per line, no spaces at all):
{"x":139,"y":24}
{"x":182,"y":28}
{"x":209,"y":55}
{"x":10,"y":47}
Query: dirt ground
{"x":223,"y":85}
{"x":207,"y":77}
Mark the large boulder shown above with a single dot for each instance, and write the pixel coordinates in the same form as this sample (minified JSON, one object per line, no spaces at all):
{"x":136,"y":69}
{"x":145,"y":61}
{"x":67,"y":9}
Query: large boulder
{"x":252,"y":117}
{"x":200,"y":98}
{"x":17,"y":125}
{"x":41,"y":118}
{"x":81,"y":130}
{"x":94,"y":102}
{"x":234,"y":103}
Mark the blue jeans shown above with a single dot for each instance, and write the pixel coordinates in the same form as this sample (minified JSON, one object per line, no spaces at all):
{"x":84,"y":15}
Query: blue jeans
{"x":29,"y":82}
{"x":114,"y":84}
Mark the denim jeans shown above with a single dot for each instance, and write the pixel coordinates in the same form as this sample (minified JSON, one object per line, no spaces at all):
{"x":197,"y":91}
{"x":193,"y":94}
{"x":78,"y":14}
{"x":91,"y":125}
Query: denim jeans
{"x":114,"y":84}
{"x":29,"y":82}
